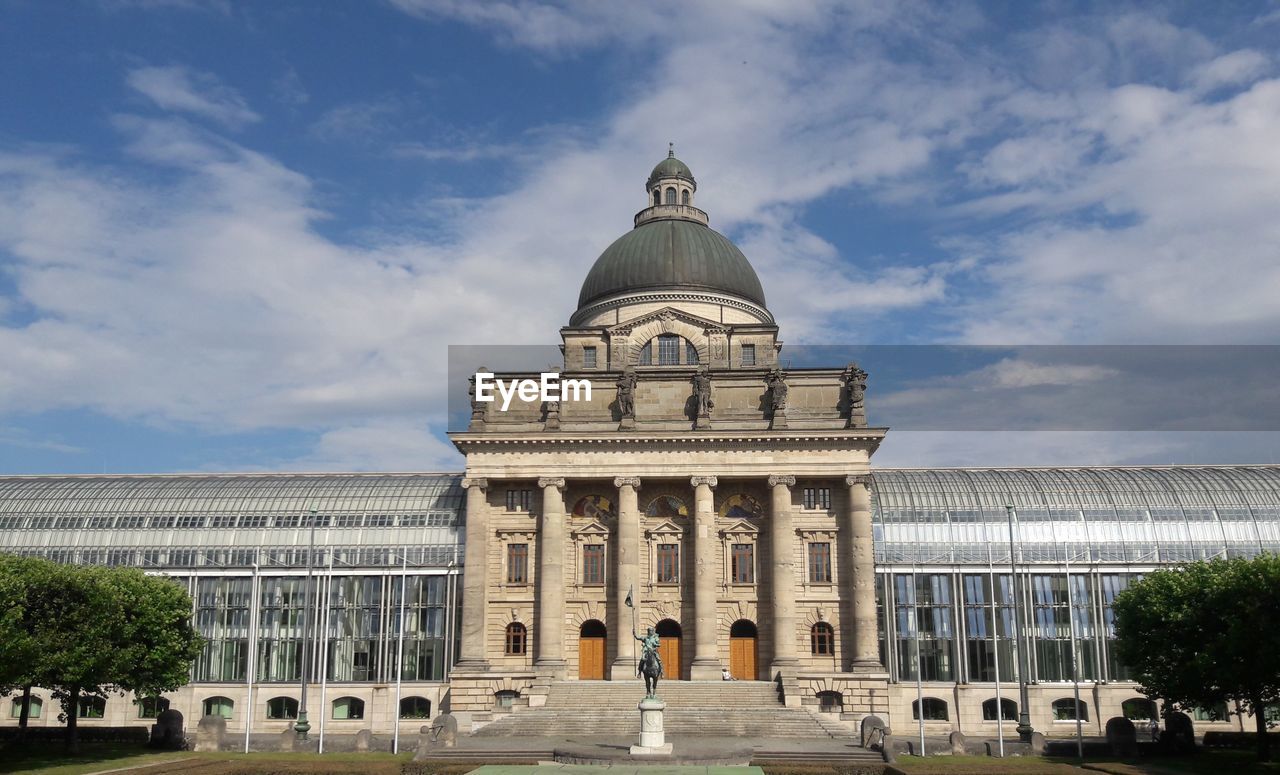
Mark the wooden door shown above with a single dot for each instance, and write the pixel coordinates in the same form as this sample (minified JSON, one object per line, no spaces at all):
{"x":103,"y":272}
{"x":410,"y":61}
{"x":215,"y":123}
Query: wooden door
{"x":742,"y":658}
{"x":669,"y":653}
{"x":591,"y":659}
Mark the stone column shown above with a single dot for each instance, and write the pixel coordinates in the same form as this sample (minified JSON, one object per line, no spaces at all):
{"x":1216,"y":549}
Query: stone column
{"x":706,"y":658}
{"x":549,"y":637}
{"x":473,"y":653}
{"x":626,"y":577}
{"x":856,"y":533}
{"x":782,"y":577}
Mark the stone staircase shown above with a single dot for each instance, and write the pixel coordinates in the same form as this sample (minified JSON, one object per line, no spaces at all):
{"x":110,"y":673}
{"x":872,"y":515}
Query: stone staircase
{"x":750,"y":709}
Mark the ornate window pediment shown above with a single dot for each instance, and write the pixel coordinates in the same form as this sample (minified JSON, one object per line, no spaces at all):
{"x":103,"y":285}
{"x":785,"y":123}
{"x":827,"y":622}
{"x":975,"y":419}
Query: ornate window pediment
{"x":593,"y":530}
{"x":740,"y":529}
{"x":667,"y":530}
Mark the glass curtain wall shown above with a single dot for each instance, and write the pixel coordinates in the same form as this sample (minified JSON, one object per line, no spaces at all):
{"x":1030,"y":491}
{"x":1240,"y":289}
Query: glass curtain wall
{"x":924,"y":602}
{"x":222,"y":617}
{"x":355,"y":622}
{"x":424,"y":633}
{"x":280,"y":635}
{"x":984,"y":644}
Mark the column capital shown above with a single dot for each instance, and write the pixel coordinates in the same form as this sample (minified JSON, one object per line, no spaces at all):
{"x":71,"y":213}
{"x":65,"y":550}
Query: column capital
{"x":709,"y":481}
{"x":551,"y":481}
{"x":627,"y":481}
{"x":786,"y":481}
{"x":856,"y":479}
{"x":469,"y":482}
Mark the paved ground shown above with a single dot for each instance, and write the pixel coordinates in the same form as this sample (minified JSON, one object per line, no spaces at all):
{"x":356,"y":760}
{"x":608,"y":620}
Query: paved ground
{"x":620,"y":769}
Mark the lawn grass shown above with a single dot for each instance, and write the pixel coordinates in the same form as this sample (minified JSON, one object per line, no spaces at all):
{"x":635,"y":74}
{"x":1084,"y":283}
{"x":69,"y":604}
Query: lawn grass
{"x":96,"y":757}
{"x":92,"y":757}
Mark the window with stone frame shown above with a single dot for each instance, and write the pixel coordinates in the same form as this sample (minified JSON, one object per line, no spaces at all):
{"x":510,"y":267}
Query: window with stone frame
{"x":645,"y":358}
{"x":817,"y":498}
{"x":517,"y":563}
{"x":819,"y":562}
{"x":668,"y":565}
{"x":748,"y":355}
{"x":593,"y":564}
{"x":743,"y":562}
{"x":1067,"y":709}
{"x":517,"y":640}
{"x":519,"y":500}
{"x":822,"y":639}
{"x":588,"y":357}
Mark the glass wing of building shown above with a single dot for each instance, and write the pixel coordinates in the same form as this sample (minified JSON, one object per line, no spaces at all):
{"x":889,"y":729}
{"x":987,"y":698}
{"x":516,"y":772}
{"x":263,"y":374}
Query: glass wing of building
{"x":947,"y":541}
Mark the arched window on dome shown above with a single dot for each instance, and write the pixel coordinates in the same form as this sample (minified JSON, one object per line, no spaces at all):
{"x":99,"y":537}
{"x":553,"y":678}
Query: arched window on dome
{"x":669,"y":350}
{"x":657,"y":197}
{"x":684,"y":197}
{"x":671,"y":196}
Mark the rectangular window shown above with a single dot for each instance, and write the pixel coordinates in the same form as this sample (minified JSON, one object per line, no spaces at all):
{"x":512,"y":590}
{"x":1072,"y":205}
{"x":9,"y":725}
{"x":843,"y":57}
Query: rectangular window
{"x":593,"y":564}
{"x":748,"y":355}
{"x":517,"y":563}
{"x":668,"y":564}
{"x":820,"y":563}
{"x":668,"y":350}
{"x":519,"y":500}
{"x":588,"y":357}
{"x":744,"y":564}
{"x":817,"y":498}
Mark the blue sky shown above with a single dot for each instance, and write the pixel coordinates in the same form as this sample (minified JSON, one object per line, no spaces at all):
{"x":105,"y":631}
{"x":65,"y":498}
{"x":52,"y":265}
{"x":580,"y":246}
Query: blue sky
{"x":240,"y":236}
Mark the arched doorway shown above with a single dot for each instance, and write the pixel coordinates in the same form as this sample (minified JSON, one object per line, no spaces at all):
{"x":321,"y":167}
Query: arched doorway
{"x":742,"y":650}
{"x":591,"y":650}
{"x":669,"y":649}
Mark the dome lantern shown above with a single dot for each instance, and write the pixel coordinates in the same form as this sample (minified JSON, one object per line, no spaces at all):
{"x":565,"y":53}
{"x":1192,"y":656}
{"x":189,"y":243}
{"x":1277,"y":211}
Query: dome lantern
{"x":670,"y":188}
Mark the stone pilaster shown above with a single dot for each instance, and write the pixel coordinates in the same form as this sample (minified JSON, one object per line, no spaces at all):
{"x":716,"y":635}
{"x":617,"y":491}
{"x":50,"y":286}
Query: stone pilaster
{"x":856,"y":529}
{"x":549,"y":635}
{"x":782,"y":576}
{"x":626,"y":577}
{"x":706,"y":660}
{"x":473,"y":654}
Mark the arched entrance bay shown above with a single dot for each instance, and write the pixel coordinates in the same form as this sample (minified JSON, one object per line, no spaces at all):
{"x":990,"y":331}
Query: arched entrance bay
{"x":592,"y":639}
{"x":742,"y":650}
{"x":669,"y":635}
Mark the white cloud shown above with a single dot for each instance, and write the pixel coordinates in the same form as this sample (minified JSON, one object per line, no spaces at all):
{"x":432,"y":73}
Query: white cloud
{"x":178,"y":88}
{"x":1145,"y":212}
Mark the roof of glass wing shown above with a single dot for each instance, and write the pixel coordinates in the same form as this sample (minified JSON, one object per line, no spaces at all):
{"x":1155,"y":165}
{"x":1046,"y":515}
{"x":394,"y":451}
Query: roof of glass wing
{"x":1132,"y":515}
{"x":1144,"y":515}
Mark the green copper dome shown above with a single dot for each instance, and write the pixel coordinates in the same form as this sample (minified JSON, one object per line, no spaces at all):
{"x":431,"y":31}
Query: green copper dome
{"x":670,"y":167}
{"x":671,"y":254}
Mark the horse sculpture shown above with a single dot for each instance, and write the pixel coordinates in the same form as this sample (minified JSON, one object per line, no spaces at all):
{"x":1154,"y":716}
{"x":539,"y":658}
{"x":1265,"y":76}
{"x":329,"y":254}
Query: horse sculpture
{"x":651,"y":669}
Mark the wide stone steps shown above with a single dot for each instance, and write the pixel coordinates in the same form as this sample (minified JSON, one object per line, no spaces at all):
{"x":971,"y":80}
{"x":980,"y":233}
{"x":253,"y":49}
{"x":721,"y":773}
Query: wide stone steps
{"x":705,"y":709}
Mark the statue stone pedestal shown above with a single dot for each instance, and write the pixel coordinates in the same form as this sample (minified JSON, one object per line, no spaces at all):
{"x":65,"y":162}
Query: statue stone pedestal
{"x":652,"y":734}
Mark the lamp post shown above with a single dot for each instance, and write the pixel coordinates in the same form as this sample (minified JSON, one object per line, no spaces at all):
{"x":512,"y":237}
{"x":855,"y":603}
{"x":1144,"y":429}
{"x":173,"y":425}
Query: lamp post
{"x":302,"y":727}
{"x":1024,"y":718}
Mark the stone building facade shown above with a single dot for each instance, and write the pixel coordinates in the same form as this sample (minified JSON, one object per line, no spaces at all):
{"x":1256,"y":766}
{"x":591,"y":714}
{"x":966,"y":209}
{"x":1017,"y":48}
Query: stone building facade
{"x":727,"y":498}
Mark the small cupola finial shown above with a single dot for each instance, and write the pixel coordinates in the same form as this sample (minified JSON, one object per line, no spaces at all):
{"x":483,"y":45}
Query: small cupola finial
{"x":671,"y":150}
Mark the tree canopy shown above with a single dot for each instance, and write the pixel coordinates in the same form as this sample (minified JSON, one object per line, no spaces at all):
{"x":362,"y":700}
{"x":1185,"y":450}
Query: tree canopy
{"x":84,"y":631}
{"x":1206,"y":633}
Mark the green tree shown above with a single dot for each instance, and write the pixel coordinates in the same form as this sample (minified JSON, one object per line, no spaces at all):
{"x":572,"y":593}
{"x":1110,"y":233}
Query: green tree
{"x":27,"y":585}
{"x":1206,"y":633}
{"x":87,"y":631}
